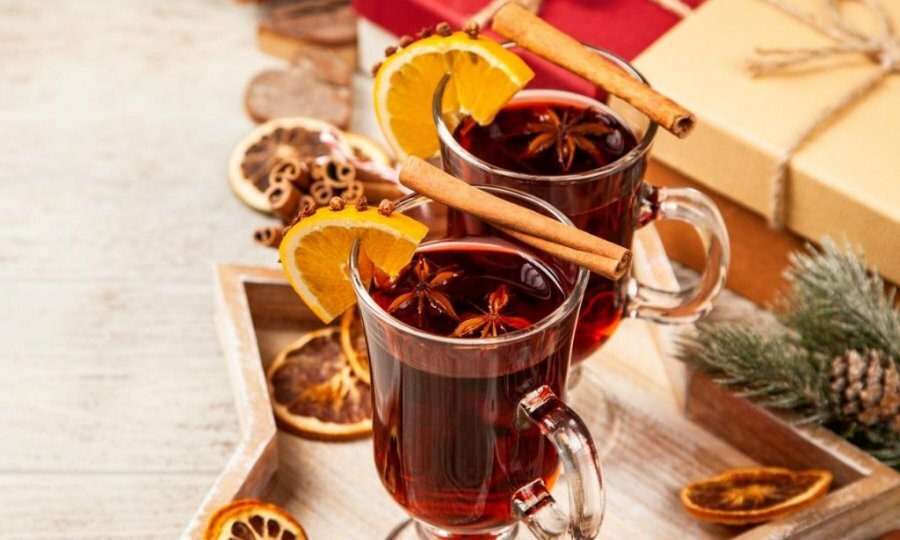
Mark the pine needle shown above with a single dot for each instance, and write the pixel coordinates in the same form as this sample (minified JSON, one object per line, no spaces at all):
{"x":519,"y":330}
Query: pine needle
{"x":834,"y":305}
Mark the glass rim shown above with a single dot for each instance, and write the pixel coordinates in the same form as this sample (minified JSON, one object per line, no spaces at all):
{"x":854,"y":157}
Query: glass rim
{"x":570,"y":304}
{"x":446,"y":137}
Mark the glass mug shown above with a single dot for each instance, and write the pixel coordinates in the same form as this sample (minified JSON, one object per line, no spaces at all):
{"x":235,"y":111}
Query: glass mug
{"x":469,"y":432}
{"x":611,"y":202}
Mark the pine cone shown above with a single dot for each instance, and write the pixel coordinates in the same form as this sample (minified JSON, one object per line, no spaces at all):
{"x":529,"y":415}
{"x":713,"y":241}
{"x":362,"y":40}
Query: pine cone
{"x":866,"y":389}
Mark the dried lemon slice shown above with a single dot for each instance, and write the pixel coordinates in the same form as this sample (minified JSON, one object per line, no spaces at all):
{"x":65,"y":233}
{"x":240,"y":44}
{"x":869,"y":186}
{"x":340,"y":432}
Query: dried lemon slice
{"x":315,"y":391}
{"x":754,"y":495}
{"x":485,"y":77}
{"x":353,"y":343}
{"x":315,"y":253}
{"x":246,"y":519}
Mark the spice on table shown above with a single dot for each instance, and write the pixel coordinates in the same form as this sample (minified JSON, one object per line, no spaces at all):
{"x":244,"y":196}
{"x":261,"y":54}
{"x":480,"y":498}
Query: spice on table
{"x":282,"y":144}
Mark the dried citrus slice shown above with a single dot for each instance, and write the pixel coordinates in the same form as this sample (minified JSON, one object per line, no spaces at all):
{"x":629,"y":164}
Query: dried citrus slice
{"x":754,"y":495}
{"x":294,"y":138}
{"x":353,"y":343}
{"x":315,"y":253}
{"x":248,"y":519}
{"x":314,"y":390}
{"x":484,"y":77}
{"x":367,"y":149}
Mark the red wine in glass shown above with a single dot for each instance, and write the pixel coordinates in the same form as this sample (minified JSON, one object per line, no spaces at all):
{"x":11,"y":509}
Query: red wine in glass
{"x":445,"y":445}
{"x":548,"y":138}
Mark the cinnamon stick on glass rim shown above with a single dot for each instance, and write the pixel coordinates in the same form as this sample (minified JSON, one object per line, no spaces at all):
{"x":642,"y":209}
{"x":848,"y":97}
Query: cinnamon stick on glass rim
{"x":564,"y":241}
{"x":528,"y":30}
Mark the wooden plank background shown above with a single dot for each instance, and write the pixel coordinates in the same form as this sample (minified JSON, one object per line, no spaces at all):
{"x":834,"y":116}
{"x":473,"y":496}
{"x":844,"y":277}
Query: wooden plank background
{"x":116,"y":120}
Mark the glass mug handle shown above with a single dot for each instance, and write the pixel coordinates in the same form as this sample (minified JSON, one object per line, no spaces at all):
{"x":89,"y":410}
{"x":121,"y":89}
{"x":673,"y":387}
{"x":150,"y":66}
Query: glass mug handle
{"x":691,"y":304}
{"x":572,"y":440}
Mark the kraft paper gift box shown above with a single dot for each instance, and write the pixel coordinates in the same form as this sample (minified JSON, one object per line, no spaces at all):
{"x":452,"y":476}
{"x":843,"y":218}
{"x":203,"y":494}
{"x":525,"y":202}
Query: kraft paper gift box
{"x":844,"y":181}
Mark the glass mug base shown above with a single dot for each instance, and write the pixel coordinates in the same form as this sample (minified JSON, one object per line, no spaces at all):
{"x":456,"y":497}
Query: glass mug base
{"x":415,"y":530}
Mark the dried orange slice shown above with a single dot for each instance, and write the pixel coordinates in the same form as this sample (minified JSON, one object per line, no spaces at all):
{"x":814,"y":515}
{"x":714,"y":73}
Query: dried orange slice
{"x":315,"y":392}
{"x":315,"y":253}
{"x":485,"y":77}
{"x":254,"y":157}
{"x":367,"y":149}
{"x":754,"y":495}
{"x":353,"y":343}
{"x":249,"y":519}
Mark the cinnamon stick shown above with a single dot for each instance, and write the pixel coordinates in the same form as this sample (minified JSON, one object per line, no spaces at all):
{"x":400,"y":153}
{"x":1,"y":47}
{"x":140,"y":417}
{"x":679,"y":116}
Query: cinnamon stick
{"x":528,"y":30}
{"x":269,"y":236}
{"x":285,"y":200}
{"x":564,"y":241}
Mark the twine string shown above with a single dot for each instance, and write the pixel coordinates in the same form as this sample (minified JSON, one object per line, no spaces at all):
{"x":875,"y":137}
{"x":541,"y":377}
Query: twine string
{"x":883,"y":48}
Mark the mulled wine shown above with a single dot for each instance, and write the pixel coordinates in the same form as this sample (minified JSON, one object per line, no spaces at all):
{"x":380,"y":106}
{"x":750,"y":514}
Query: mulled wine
{"x":445,"y":443}
{"x":541,"y":139}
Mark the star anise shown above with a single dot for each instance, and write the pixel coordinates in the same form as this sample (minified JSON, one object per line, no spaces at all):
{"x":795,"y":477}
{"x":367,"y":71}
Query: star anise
{"x":566,"y":134}
{"x":426,"y":290}
{"x":492,"y":323}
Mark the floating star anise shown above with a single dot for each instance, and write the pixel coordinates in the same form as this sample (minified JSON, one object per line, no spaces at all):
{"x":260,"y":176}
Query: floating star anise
{"x":566,"y":134}
{"x":426,"y":291}
{"x":492,"y":323}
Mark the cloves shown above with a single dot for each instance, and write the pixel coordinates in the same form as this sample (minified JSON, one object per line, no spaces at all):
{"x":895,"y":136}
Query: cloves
{"x":386,"y":207}
{"x":336,"y":204}
{"x":309,"y":209}
{"x":472,"y":29}
{"x":362,"y":204}
{"x":443,"y":29}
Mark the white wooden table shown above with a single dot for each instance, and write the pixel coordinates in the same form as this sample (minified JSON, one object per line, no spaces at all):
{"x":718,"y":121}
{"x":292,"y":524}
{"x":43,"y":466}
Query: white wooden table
{"x":116,"y":120}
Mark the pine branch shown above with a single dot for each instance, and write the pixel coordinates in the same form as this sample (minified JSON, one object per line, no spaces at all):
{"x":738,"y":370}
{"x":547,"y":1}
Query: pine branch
{"x":836,"y":304}
{"x":769,"y":369}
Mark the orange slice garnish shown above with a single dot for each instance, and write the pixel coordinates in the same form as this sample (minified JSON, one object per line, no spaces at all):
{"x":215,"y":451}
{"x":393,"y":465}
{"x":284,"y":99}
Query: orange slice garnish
{"x":315,"y":253}
{"x":484,"y":77}
{"x":248,"y":519}
{"x":315,"y":392}
{"x":754,"y":495}
{"x":353,"y":343}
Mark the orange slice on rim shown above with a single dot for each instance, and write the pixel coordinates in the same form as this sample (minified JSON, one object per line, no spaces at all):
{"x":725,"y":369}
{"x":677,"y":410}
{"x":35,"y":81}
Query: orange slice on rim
{"x":485,"y":77}
{"x":315,"y":253}
{"x":754,"y":495}
{"x":249,"y":519}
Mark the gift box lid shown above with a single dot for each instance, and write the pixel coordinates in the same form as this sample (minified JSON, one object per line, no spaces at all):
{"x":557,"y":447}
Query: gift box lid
{"x":844,"y":181}
{"x":625,"y":27}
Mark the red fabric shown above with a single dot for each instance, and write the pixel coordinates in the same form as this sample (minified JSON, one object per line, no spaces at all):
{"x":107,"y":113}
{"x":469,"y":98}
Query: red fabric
{"x":625,"y":27}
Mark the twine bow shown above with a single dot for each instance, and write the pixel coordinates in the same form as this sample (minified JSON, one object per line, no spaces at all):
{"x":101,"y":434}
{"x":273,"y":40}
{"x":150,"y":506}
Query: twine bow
{"x":882,"y":47}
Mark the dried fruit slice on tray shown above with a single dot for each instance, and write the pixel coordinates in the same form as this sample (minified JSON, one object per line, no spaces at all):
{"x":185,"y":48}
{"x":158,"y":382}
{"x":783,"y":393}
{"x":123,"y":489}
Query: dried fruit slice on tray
{"x":353,"y":343}
{"x":249,"y":519}
{"x":754,"y":495}
{"x":484,"y":77}
{"x":315,"y":392}
{"x":271,"y":144}
{"x":315,"y":252}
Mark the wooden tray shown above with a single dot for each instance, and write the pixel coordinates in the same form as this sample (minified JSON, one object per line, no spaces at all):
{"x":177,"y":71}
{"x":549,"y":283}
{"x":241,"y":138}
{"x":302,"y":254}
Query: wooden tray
{"x":650,"y":448}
